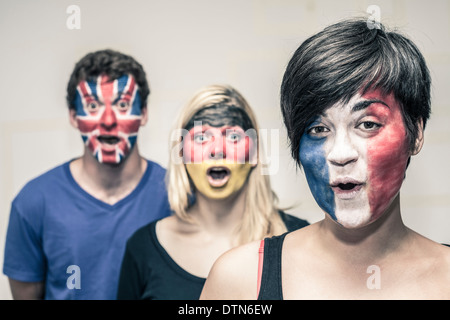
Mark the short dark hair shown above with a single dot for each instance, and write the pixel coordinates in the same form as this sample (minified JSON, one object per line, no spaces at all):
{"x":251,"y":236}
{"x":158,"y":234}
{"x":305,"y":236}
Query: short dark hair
{"x":344,"y":59}
{"x":111,"y":63}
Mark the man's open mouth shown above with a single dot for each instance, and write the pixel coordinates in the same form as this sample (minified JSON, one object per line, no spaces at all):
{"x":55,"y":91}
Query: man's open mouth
{"x":218,"y":176}
{"x":107,"y":139}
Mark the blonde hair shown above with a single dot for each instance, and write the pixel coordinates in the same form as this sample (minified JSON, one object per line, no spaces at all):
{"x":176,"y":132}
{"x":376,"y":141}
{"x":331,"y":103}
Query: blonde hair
{"x":261,"y":217}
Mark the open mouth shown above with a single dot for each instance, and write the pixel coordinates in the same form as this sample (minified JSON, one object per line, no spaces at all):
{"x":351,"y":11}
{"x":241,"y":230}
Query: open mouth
{"x":346,"y":189}
{"x":346,"y":186}
{"x":218,"y":176}
{"x":107,"y":139}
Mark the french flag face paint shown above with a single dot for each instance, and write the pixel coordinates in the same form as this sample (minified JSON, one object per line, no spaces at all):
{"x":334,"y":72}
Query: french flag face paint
{"x":355,"y":156}
{"x":109,"y":116}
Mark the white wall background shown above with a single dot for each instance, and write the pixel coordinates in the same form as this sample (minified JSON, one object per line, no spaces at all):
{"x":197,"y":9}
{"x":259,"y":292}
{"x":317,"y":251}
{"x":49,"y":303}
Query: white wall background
{"x":184,"y":45}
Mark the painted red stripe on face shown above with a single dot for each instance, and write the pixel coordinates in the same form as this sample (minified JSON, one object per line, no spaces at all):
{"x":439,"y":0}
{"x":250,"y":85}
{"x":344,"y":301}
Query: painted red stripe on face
{"x":388,"y":154}
{"x":87,"y":125}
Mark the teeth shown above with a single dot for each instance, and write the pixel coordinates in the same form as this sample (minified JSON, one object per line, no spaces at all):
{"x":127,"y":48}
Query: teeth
{"x":108,"y":139}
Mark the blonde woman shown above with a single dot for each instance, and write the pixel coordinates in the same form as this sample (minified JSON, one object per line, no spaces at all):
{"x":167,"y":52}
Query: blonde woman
{"x":219,"y":196}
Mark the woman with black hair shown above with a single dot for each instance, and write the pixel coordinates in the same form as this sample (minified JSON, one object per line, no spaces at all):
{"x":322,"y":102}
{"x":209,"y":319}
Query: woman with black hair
{"x":355,"y":102}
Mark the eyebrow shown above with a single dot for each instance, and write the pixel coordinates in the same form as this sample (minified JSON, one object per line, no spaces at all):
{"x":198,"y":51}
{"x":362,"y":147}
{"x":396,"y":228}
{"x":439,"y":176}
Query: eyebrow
{"x":90,"y":96}
{"x":361,"y":105}
{"x":120,"y":95}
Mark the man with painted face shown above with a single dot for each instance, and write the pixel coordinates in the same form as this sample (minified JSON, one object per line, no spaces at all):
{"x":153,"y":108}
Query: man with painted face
{"x":68,"y":227}
{"x":219,"y":196}
{"x":355,"y":101}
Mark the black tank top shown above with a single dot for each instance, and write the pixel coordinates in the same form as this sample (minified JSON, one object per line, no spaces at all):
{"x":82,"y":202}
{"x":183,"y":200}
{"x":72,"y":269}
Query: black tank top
{"x":271,"y":288}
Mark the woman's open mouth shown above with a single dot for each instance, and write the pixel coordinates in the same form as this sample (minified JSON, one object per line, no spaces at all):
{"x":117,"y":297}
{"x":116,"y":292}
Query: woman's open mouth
{"x":218,"y":176}
{"x":346,"y":189}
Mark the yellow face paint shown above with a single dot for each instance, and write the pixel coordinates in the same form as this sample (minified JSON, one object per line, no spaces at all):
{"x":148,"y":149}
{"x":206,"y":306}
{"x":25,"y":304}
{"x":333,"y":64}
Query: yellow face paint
{"x":218,"y":179}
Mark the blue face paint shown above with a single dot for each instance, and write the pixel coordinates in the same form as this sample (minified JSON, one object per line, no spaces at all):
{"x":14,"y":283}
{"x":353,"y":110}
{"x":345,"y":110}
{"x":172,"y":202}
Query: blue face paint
{"x":312,"y":158}
{"x":121,"y":88}
{"x":92,"y":86}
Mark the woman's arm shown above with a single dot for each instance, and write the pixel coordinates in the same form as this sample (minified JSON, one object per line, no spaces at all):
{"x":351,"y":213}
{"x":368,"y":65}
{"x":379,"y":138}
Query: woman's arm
{"x":234,"y":275}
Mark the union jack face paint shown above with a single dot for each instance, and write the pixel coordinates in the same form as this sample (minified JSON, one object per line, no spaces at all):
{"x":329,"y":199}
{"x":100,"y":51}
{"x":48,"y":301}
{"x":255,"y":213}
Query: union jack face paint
{"x":109,"y":115}
{"x":355,"y":157}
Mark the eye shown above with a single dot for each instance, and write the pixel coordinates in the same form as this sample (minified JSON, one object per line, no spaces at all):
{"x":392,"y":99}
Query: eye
{"x":123,"y":105}
{"x":92,"y":106}
{"x":201,"y":138}
{"x":318,"y":131}
{"x":234,"y":137}
{"x":369,"y":125}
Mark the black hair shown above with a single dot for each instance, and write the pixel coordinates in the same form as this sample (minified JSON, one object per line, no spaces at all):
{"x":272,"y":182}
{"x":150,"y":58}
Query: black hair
{"x":111,"y":63}
{"x":221,"y":114}
{"x":346,"y":58}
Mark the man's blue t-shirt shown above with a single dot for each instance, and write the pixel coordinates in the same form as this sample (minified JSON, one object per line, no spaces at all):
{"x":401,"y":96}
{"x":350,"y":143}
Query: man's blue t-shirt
{"x":60,"y":234}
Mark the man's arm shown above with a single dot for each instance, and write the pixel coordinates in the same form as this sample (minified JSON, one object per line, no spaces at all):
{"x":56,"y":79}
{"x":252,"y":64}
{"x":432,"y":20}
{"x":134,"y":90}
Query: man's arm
{"x":27,"y":290}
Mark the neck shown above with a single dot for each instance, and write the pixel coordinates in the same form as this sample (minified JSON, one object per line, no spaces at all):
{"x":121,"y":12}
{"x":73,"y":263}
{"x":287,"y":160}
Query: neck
{"x":109,"y":182}
{"x":219,"y":217}
{"x":363,"y":246}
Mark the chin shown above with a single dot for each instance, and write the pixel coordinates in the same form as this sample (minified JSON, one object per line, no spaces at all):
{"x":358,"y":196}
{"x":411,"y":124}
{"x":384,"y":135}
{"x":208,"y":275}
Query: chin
{"x":220,"y":195}
{"x":354,"y":219}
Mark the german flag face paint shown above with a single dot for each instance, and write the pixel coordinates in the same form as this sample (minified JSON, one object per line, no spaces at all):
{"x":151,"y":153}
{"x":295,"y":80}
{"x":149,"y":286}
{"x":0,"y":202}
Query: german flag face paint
{"x":217,"y":159}
{"x":109,"y":116}
{"x":355,"y":156}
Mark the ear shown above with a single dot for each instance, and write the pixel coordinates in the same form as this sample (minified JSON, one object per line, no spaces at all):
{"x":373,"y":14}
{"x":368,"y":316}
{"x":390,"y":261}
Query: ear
{"x":73,"y":118}
{"x":419,"y":140}
{"x":144,"y":114}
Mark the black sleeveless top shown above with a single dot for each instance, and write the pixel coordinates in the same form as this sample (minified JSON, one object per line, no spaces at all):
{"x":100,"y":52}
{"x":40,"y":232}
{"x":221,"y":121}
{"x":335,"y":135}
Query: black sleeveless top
{"x":149,"y":272}
{"x":271,"y":288}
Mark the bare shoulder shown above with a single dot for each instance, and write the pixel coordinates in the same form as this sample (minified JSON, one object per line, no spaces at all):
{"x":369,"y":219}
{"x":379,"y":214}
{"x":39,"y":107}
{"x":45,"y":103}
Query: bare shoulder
{"x":441,"y":272}
{"x":434,"y":259}
{"x":443,"y":260}
{"x":433,"y":250}
{"x":234,"y":275}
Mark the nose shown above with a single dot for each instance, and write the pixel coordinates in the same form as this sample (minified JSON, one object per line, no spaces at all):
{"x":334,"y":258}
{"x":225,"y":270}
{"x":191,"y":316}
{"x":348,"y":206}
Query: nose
{"x":108,"y":119}
{"x":343,"y":151}
{"x":217,"y":149}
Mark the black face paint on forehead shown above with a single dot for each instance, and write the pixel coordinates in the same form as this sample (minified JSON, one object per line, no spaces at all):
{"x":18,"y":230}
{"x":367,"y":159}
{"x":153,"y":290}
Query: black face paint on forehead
{"x":221,"y":115}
